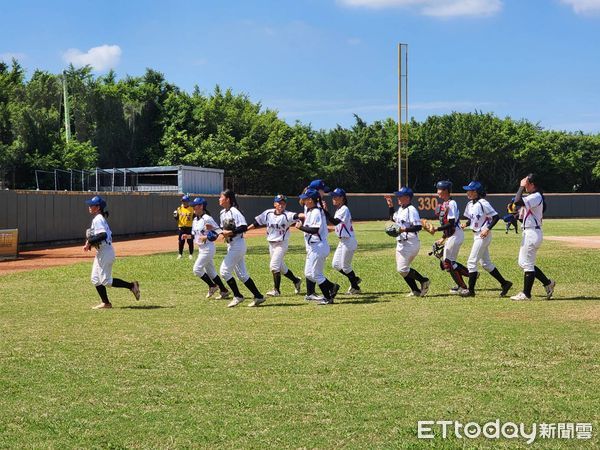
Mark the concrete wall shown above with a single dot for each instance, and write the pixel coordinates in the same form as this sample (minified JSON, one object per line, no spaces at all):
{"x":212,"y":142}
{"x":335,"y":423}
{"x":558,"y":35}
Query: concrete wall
{"x":50,"y":216}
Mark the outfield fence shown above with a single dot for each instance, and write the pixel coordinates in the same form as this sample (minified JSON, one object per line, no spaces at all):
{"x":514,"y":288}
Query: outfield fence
{"x":46,"y":217}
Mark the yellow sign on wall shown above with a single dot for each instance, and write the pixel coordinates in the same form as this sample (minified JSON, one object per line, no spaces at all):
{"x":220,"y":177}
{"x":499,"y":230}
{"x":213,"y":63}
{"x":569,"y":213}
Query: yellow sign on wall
{"x":9,"y":244}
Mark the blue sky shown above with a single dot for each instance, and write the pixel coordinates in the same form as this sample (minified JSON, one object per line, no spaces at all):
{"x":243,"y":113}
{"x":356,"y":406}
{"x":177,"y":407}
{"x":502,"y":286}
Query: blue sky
{"x":320,"y":61}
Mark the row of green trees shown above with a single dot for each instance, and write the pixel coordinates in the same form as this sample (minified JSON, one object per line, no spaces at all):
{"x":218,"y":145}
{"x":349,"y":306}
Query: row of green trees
{"x":147,"y":121}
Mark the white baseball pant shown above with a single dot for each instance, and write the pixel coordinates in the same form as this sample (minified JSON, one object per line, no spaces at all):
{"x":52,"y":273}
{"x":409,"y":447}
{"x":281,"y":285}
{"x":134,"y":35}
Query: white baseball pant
{"x":102,"y":267}
{"x":315,"y":262}
{"x":205,"y":262}
{"x":406,"y":251}
{"x":234,"y":261}
{"x":480,"y":252}
{"x":277,"y":250}
{"x":530,"y":242}
{"x":452,"y":245}
{"x":342,"y":258}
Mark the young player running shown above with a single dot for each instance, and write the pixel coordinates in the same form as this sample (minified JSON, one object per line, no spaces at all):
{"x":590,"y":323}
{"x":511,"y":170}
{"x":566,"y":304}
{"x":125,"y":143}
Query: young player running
{"x":342,"y":258}
{"x":205,"y":232}
{"x":317,"y":247}
{"x":278,"y":222}
{"x":99,"y":236}
{"x":481,"y":218}
{"x":534,"y":206}
{"x":453,"y":233}
{"x":407,"y":241}
{"x":233,"y":227}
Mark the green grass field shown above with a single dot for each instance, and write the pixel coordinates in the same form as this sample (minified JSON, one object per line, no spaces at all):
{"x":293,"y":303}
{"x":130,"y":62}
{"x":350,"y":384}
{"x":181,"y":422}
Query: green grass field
{"x":176,"y":370}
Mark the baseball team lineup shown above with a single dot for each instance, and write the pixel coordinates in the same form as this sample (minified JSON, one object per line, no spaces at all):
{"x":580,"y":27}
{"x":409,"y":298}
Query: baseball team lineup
{"x":199,"y":229}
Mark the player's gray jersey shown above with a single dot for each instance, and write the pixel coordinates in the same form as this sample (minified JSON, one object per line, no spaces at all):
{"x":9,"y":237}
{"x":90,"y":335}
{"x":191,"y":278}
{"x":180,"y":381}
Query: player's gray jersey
{"x":315,"y":218}
{"x":100,"y":225}
{"x":480,"y":213}
{"x":344,"y":229}
{"x":278,"y":225}
{"x":199,"y":228}
{"x":533,"y":210}
{"x":234,"y":215}
{"x":406,"y":218}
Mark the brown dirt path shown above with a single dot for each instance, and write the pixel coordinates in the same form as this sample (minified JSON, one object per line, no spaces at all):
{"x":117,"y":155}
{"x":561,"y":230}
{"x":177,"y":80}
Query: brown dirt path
{"x":72,"y":254}
{"x":577,"y":241}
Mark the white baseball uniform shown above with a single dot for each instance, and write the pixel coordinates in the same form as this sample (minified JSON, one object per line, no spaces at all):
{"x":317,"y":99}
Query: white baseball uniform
{"x":278,"y":235}
{"x":453,"y":243}
{"x":407,"y":243}
{"x":206,"y":249}
{"x":105,"y":255}
{"x":234,"y":261}
{"x":533,"y":212}
{"x":317,"y":247}
{"x":480,"y":214}
{"x":342,"y":258}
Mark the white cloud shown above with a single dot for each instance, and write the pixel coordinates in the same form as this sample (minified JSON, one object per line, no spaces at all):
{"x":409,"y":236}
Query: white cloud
{"x":583,"y":6}
{"x":100,"y":58}
{"x":437,"y":8}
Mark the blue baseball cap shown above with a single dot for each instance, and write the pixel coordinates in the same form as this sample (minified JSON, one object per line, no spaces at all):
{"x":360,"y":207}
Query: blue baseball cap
{"x":474,"y":186}
{"x":319,"y":185}
{"x":338,"y":192}
{"x":280,"y":198}
{"x":199,"y":201}
{"x":404,"y":191}
{"x":185,"y":198}
{"x":96,"y":201}
{"x":310,"y":193}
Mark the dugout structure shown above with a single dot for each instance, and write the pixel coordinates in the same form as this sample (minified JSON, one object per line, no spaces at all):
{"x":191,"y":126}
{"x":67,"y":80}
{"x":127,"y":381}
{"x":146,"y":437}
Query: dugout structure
{"x":9,"y":244}
{"x":174,"y":179}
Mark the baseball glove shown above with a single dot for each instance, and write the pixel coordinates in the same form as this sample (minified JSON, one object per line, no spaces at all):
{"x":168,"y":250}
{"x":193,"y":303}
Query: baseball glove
{"x":392,"y":229}
{"x":212,"y":235}
{"x":437,"y":249}
{"x":89,"y":235}
{"x":229,"y":224}
{"x":428,"y":226}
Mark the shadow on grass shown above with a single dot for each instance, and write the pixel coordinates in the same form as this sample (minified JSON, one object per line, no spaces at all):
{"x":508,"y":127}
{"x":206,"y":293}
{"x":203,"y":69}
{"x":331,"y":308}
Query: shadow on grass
{"x":364,"y":299}
{"x":370,"y":293}
{"x":579,"y":297}
{"x":145,"y":307}
{"x":269,"y":305}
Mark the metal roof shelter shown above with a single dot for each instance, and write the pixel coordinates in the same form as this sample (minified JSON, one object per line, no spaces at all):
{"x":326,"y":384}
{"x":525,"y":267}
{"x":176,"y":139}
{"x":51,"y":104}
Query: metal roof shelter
{"x":188,"y":179}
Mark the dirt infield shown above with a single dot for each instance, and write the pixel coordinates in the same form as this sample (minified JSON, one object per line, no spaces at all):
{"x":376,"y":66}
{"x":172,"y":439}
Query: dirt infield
{"x":72,"y":254}
{"x":577,"y":241}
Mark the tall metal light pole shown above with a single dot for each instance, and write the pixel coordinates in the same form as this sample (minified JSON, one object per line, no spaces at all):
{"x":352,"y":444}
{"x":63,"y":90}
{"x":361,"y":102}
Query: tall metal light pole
{"x":67,"y":113}
{"x":402,"y":115}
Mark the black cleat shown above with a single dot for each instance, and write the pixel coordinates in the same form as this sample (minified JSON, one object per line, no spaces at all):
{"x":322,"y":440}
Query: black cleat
{"x":505,"y":288}
{"x":334,"y":291}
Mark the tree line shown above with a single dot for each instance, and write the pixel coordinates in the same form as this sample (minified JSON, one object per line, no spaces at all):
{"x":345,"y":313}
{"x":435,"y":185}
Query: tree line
{"x":147,"y":121}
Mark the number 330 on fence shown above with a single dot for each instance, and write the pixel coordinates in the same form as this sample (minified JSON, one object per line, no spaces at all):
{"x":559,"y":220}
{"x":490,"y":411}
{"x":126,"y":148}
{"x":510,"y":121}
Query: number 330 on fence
{"x":427,"y":203}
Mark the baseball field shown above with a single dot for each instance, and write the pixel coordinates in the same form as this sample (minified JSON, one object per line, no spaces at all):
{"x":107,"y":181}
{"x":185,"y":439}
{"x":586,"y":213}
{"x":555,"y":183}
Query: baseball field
{"x":176,"y":370}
